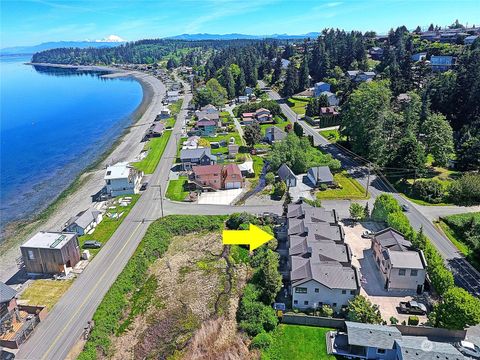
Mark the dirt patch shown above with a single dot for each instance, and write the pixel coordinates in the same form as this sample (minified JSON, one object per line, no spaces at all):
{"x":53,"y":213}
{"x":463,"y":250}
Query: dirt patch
{"x":192,"y":314}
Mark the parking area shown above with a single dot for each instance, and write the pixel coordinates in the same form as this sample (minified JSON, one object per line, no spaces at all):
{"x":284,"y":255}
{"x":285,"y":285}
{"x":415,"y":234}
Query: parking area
{"x":371,"y":280}
{"x":303,"y":189}
{"x":221,"y":197}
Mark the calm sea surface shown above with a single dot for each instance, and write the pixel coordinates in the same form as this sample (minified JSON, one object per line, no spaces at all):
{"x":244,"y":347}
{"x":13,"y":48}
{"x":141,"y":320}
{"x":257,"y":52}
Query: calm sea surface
{"x":54,"y":123}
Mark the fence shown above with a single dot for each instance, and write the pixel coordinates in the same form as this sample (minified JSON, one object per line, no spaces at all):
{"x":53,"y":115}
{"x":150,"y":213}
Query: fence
{"x":313,"y":321}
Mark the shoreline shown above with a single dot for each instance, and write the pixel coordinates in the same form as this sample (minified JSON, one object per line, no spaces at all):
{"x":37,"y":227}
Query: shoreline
{"x":18,"y":231}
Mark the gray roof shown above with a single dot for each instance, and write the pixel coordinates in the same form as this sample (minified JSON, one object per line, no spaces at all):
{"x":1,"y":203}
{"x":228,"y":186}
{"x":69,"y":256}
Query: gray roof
{"x":311,"y":213}
{"x":6,"y":293}
{"x":321,"y":173}
{"x":49,"y":240}
{"x":376,"y":336}
{"x":405,"y":259}
{"x":87,"y":217}
{"x":330,"y":274}
{"x":208,"y":115}
{"x":392,"y":239}
{"x":196,"y":153}
{"x":325,"y":250}
{"x":276,"y":133}
{"x":284,"y":172}
{"x":157,"y":127}
{"x":420,"y":348}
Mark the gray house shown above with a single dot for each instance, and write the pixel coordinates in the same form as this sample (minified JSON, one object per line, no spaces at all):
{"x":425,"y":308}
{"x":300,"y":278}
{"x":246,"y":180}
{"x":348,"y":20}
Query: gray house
{"x":84,"y":221}
{"x":311,"y":214}
{"x":199,"y":156}
{"x":274,"y":133}
{"x":331,"y":98}
{"x":287,"y":175}
{"x":320,"y":175}
{"x":442,"y":62}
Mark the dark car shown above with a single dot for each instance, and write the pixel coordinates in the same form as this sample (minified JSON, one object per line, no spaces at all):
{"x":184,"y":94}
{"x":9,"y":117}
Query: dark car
{"x":412,"y":307}
{"x":92,"y":244}
{"x":6,"y":355}
{"x":468,"y":349}
{"x":144,"y":186}
{"x":405,"y":207}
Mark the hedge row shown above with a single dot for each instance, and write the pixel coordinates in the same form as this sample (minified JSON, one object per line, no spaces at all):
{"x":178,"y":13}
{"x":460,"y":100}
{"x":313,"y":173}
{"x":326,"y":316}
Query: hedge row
{"x":110,"y":315}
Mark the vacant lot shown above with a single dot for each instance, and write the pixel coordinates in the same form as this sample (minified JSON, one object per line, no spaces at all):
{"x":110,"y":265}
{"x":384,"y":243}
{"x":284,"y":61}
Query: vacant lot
{"x":156,"y":147}
{"x":296,"y":342}
{"x":349,"y":188}
{"x":332,"y":135}
{"x":45,"y":292}
{"x":298,"y":105}
{"x":176,"y":189}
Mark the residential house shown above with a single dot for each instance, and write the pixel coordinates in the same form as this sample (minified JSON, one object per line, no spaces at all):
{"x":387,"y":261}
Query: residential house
{"x":233,"y":150}
{"x":242,"y":99}
{"x":172,"y":96}
{"x":263,"y":116}
{"x":376,"y":53}
{"x":331,"y":98}
{"x":209,"y":109}
{"x":191,"y":142}
{"x":430,"y":36}
{"x":198,"y":156}
{"x":422,"y":56}
{"x":287,"y":175}
{"x":165,"y":113}
{"x":328,"y":112}
{"x":51,"y":252}
{"x":155,"y":130}
{"x":8,"y":302}
{"x":122,"y":179}
{"x":442,"y":63}
{"x":84,"y":221}
{"x":248,"y":91}
{"x":206,"y":127}
{"x":469,"y":40}
{"x":274,"y":133}
{"x":401,"y":267}
{"x":232,"y":177}
{"x":285,"y":63}
{"x":311,"y":214}
{"x":360,"y":76}
{"x":320,"y":175}
{"x":383,"y":342}
{"x":248,"y":118}
{"x":217,"y":177}
{"x":320,"y":87}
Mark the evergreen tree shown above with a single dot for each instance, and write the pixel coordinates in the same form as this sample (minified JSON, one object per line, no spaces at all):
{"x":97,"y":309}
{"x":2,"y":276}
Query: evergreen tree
{"x":228,"y":82}
{"x":277,"y":69}
{"x":291,"y":81}
{"x":241,"y":84}
{"x":303,"y":80}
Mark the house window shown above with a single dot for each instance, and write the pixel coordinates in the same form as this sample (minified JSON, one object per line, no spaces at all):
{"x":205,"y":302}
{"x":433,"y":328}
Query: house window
{"x":295,"y":302}
{"x":413,"y":272}
{"x":305,"y":302}
{"x":401,"y":272}
{"x":301,"y":290}
{"x":352,"y":292}
{"x":334,"y":305}
{"x":344,"y":291}
{"x":317,"y":290}
{"x":30,"y":254}
{"x":380,"y":351}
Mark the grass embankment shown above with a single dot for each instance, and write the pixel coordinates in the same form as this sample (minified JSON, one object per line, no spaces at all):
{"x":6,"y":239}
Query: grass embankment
{"x":332,"y":135}
{"x":45,"y":292}
{"x":156,"y":147}
{"x":298,"y":105}
{"x":104,"y":231}
{"x":176,"y":189}
{"x":296,"y":342}
{"x":349,"y":188}
{"x":119,"y":301}
{"x":460,"y":230}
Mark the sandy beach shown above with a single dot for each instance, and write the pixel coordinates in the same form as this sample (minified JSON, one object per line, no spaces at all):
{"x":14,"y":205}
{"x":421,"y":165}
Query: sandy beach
{"x":91,"y":181}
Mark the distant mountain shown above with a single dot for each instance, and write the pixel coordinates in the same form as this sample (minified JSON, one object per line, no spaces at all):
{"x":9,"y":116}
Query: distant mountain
{"x":26,"y":50}
{"x":241,"y":36}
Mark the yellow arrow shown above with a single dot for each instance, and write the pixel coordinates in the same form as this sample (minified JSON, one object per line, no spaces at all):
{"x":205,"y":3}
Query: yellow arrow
{"x":254,"y":237}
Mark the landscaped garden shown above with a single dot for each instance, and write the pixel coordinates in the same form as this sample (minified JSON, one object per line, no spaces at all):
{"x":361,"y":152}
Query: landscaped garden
{"x":155,"y":147}
{"x":296,"y":342}
{"x":348,"y":188}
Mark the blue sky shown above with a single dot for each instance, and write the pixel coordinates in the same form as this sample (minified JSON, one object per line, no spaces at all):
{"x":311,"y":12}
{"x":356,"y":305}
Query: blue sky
{"x":31,"y":22}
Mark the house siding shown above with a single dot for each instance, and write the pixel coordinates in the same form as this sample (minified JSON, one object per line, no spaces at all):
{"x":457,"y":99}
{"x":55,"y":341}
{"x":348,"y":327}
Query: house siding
{"x":324,"y":296}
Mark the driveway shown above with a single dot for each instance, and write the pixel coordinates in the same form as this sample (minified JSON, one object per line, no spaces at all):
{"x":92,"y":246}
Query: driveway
{"x":222,"y":197}
{"x":371,"y":281}
{"x":302,"y":190}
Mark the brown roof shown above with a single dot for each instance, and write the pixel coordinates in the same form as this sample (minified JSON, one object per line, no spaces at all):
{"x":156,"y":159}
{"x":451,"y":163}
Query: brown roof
{"x":232,"y":169}
{"x":207,"y":169}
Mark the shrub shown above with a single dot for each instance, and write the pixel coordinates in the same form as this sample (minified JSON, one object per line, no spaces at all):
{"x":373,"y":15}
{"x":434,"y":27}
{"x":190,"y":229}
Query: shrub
{"x":384,"y":205}
{"x":466,"y":190}
{"x":326,"y":311}
{"x":236,"y":220}
{"x":269,"y":178}
{"x":279,"y":189}
{"x":431,"y":191}
{"x":413,"y":320}
{"x":393,"y":320}
{"x":261,"y":341}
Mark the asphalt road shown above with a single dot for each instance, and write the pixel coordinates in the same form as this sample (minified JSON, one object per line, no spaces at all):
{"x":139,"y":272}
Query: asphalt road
{"x":465,"y":275}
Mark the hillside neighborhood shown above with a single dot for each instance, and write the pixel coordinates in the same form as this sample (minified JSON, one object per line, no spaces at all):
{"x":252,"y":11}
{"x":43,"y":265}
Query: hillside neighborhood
{"x":358,"y":153}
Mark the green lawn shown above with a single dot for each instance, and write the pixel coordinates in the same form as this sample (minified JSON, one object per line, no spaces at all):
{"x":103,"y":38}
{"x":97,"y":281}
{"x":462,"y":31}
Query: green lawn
{"x":108,"y":226}
{"x":281,"y":123}
{"x":332,"y":135}
{"x":257,"y":165}
{"x":156,"y":147}
{"x":170,"y":122}
{"x":298,"y":105}
{"x":224,"y":149}
{"x":349,"y":189}
{"x":176,"y":107}
{"x":176,"y":189}
{"x":296,"y":342}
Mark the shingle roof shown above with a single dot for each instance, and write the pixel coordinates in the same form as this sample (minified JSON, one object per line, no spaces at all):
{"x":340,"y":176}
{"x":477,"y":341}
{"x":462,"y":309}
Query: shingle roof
{"x":196,"y":153}
{"x":377,"y":336}
{"x":284,"y":172}
{"x":310,"y":213}
{"x":87,"y":217}
{"x":392,"y":239}
{"x":324,"y":250}
{"x":420,"y":348}
{"x":6,"y":293}
{"x":207,"y":169}
{"x":232,"y":169}
{"x":331,"y":274}
{"x":277,"y":133}
{"x":321,"y":173}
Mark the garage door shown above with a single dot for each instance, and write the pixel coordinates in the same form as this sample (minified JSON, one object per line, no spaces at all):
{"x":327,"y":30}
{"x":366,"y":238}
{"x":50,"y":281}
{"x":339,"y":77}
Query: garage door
{"x":233,"y":185}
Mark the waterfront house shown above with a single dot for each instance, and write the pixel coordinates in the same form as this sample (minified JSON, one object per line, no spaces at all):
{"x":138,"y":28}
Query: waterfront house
{"x":401,"y":266}
{"x":320,"y":87}
{"x":8,"y":300}
{"x":51,"y":253}
{"x":442,"y":63}
{"x":165,"y":113}
{"x":206,"y":127}
{"x":287,"y":175}
{"x":122,"y":179}
{"x":320,"y":175}
{"x":84,"y":221}
{"x":273,"y":134}
{"x":198,"y":156}
{"x":155,"y":130}
{"x":173,"y":96}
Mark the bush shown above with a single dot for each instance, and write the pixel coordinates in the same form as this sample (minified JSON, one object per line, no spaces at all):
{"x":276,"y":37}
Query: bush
{"x":279,"y":189}
{"x":261,"y":341}
{"x":384,"y":205}
{"x":413,"y":320}
{"x":466,"y":190}
{"x":236,"y":220}
{"x":393,"y":320}
{"x":269,"y":178}
{"x":431,"y":191}
{"x":326,"y":311}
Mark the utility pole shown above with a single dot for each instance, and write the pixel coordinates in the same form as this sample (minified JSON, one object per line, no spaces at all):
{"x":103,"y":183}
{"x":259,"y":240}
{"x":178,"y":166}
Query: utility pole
{"x":368,"y":180}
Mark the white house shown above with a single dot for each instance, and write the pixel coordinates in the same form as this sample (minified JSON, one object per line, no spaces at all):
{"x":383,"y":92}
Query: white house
{"x":122,"y":179}
{"x":84,"y":221}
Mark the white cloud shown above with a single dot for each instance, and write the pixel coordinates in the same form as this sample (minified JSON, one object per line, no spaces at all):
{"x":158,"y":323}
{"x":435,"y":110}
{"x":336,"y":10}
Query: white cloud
{"x":111,"y":38}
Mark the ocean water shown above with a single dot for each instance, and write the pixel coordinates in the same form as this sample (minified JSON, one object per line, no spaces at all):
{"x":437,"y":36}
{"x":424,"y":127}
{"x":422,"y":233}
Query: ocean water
{"x":54,"y":123}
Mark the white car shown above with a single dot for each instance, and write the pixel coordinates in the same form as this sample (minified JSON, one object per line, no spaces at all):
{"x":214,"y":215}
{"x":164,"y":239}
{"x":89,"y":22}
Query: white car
{"x":367,"y":234}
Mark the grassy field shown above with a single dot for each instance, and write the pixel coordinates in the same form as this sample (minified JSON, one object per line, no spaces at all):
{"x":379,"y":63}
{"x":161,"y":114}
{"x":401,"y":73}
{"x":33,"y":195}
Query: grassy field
{"x":108,"y":226}
{"x":349,"y":189}
{"x":298,"y":105}
{"x":226,"y":138}
{"x":281,"y":123}
{"x":156,"y":147}
{"x":296,"y":342}
{"x":45,"y":292}
{"x":170,"y":122}
{"x":176,"y":189}
{"x":332,"y":135}
{"x":176,"y":107}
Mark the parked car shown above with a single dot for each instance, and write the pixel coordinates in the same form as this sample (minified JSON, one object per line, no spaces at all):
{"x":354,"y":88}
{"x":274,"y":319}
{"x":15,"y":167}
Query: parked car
{"x":412,"y":307}
{"x":468,"y":349}
{"x":6,"y":355}
{"x":92,"y":244}
{"x":367,"y":234}
{"x":405,"y":207}
{"x":144,"y":186}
